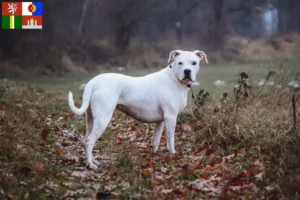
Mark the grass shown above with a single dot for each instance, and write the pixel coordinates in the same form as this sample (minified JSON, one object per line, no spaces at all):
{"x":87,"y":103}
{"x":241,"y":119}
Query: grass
{"x":208,"y":74}
{"x":226,"y":148}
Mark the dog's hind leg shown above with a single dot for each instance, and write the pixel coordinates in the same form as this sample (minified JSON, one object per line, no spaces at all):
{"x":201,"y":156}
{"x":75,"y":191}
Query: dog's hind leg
{"x":102,"y":112}
{"x":98,"y":129}
{"x":89,"y":127}
{"x":157,"y":135}
{"x":89,"y":124}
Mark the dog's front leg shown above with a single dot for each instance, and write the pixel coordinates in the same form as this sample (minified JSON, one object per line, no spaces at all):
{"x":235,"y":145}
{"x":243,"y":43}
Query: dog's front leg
{"x":170,"y":128}
{"x":157,"y":135}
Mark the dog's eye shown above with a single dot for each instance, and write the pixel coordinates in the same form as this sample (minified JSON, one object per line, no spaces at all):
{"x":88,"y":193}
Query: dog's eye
{"x":180,"y":63}
{"x":194,"y":63}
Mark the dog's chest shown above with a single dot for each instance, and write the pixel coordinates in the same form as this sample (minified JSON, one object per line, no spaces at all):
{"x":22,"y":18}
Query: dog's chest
{"x":144,"y":114}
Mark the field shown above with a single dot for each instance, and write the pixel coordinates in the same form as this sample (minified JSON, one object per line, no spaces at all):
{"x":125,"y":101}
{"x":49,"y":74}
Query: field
{"x":229,"y":146}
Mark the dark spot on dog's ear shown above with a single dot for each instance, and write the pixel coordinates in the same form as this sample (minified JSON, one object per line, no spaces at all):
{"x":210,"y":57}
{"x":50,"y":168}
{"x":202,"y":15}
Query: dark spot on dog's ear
{"x":170,"y":66}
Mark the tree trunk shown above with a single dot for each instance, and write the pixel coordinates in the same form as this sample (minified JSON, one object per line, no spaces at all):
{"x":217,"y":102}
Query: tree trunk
{"x":178,"y":23}
{"x":84,"y":9}
{"x":217,"y":31}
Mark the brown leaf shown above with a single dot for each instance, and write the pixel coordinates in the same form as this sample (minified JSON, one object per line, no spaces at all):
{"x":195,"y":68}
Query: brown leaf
{"x":38,"y":167}
{"x":177,"y":191}
{"x":10,"y":122}
{"x":58,"y":151}
{"x":44,"y":133}
{"x":109,"y":187}
{"x":154,"y":183}
{"x":66,"y":143}
{"x":211,"y":156}
{"x":201,"y":125}
{"x":81,"y":174}
{"x":146,"y":172}
{"x":73,"y":159}
{"x":186,"y":127}
{"x":133,"y":128}
{"x":255,"y":125}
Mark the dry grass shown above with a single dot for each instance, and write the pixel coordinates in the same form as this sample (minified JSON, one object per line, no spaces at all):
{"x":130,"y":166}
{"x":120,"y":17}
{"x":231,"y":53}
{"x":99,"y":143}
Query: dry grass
{"x":264,"y":123}
{"x":26,"y":142}
{"x":262,"y":49}
{"x":261,"y":123}
{"x":250,"y":143}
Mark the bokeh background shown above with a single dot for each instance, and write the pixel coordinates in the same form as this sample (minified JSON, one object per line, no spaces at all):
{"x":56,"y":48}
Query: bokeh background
{"x":238,"y":138}
{"x":100,"y":35}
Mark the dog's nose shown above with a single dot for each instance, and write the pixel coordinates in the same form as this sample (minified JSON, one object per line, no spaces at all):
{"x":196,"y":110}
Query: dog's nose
{"x":187,"y":71}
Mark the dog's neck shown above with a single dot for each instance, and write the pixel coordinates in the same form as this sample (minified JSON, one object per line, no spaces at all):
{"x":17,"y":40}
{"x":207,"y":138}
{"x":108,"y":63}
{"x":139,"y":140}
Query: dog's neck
{"x":176,"y":81}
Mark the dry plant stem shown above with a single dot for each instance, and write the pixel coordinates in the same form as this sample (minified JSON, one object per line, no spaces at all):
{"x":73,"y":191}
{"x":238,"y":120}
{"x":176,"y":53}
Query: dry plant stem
{"x":236,"y":112}
{"x":294,"y":111}
{"x":245,"y":54}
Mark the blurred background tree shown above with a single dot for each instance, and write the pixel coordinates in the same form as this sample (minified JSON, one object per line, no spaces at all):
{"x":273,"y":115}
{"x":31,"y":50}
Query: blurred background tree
{"x":94,"y":34}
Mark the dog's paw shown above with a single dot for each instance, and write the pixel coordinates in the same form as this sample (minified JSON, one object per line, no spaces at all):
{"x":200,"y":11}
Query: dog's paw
{"x":154,"y":149}
{"x":97,"y":163}
{"x":91,"y":166}
{"x":172,"y":151}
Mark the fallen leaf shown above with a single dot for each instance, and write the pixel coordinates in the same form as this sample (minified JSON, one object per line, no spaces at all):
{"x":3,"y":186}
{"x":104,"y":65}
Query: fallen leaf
{"x":125,"y":184}
{"x":255,"y":125}
{"x":26,"y":196}
{"x":38,"y":167}
{"x":109,"y":187}
{"x":164,"y":169}
{"x":201,"y":125}
{"x":52,"y":185}
{"x":146,"y":172}
{"x":10,"y":122}
{"x":80,"y":191}
{"x":269,"y":188}
{"x":166,"y":191}
{"x":259,"y":176}
{"x":81,"y":174}
{"x":68,"y":184}
{"x":58,"y":151}
{"x":73,"y":159}
{"x":66,"y":143}
{"x":211,"y":156}
{"x":44,"y":133}
{"x":96,"y":186}
{"x":186,"y":127}
{"x":259,"y":164}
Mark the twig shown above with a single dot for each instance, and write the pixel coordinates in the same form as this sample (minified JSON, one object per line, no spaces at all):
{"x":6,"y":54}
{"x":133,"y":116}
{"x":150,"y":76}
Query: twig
{"x":244,"y":54}
{"x":294,"y":109}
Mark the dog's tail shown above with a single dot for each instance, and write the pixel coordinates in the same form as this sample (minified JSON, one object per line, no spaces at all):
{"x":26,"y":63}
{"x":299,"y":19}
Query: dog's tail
{"x":86,"y":97}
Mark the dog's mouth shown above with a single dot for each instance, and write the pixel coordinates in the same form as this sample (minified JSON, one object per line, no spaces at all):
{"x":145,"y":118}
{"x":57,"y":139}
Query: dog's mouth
{"x":187,"y":78}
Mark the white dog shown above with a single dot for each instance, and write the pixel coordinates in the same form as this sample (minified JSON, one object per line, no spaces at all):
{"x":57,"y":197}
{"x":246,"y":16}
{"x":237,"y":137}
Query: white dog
{"x":155,"y":98}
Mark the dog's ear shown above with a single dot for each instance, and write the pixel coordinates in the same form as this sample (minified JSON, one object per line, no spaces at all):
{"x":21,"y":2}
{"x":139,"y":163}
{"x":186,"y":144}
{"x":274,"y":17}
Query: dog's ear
{"x":201,"y":54}
{"x":173,"y":54}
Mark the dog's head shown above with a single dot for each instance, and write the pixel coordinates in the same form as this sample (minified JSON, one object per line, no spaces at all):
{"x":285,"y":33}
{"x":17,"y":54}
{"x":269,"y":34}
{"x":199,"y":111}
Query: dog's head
{"x":186,"y":64}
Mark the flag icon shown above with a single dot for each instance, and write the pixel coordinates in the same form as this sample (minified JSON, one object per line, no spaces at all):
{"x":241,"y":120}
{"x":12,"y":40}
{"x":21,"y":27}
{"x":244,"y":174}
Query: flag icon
{"x":11,"y":8}
{"x":32,"y":22}
{"x":22,"y":15}
{"x":31,"y":8}
{"x":12,"y":22}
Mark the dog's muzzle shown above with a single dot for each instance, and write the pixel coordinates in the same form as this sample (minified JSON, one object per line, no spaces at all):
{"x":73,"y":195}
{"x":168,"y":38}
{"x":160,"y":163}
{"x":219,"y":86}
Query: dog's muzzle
{"x":187,"y":74}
